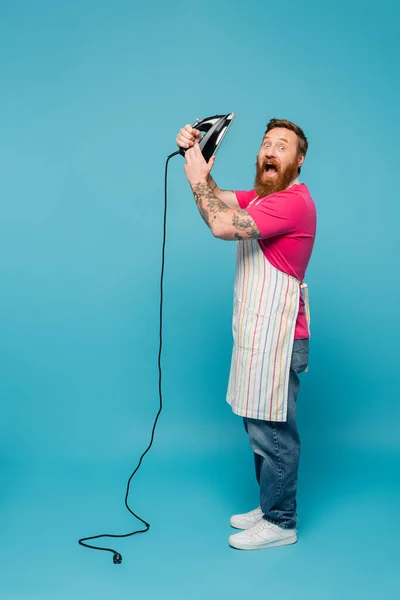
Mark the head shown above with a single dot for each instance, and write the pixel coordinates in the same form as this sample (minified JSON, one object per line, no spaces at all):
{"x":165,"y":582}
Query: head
{"x":282,"y":153}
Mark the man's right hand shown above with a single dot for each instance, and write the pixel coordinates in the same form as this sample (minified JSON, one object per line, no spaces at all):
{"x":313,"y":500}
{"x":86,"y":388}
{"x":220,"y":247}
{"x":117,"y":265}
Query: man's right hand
{"x":187,"y":136}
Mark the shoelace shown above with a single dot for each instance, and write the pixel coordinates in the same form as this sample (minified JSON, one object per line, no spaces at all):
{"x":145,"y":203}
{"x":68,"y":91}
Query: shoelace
{"x":254,"y":512}
{"x":259,"y":527}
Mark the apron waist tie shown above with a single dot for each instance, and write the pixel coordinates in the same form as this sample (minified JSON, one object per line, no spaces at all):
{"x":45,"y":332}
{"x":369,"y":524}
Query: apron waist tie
{"x":304,"y":287}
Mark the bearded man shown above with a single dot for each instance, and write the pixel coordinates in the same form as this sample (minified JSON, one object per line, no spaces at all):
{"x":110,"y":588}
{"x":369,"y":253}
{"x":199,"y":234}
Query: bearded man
{"x":274,"y":225}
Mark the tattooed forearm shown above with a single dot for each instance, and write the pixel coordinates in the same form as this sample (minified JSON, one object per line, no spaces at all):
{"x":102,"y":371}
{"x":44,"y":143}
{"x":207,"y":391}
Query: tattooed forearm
{"x":226,"y":223}
{"x":211,"y":183}
{"x":208,"y":204}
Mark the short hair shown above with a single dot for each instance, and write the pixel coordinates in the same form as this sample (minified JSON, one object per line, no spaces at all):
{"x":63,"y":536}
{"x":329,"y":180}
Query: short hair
{"x":301,"y":138}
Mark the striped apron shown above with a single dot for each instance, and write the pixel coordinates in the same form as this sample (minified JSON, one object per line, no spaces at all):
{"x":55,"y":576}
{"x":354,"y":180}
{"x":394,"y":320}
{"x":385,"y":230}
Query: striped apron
{"x":265,"y":310}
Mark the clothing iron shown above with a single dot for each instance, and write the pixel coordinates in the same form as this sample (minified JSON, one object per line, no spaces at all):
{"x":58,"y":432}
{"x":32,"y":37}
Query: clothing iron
{"x":214,"y":129}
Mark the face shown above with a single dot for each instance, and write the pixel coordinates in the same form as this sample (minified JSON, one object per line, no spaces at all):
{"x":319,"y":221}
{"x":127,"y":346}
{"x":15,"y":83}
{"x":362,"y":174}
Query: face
{"x":277,"y":162}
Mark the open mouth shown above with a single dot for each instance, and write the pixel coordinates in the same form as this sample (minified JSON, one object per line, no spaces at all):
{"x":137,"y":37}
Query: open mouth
{"x":270,"y":169}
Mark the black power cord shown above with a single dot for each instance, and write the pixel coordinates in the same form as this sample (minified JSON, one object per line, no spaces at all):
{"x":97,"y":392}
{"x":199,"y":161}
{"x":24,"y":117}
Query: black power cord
{"x":117,"y":557}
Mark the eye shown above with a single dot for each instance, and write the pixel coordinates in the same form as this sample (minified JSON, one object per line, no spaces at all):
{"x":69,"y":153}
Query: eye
{"x":282,"y":148}
{"x":266,"y":145}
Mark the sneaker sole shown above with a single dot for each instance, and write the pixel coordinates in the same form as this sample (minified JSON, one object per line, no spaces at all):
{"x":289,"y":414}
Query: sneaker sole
{"x":246,"y":546}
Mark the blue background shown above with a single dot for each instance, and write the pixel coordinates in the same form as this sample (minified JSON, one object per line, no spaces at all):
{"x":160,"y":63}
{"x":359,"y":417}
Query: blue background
{"x":92,"y":96}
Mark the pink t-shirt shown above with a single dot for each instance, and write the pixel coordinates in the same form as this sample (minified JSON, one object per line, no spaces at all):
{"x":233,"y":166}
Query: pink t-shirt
{"x":287,"y":222}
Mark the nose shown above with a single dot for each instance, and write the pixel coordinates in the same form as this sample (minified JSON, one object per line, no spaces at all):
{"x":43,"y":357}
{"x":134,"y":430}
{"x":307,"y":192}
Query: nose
{"x":270,"y":152}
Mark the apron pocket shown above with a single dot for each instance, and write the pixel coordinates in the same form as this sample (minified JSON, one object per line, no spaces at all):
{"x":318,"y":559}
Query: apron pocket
{"x":249,"y":328}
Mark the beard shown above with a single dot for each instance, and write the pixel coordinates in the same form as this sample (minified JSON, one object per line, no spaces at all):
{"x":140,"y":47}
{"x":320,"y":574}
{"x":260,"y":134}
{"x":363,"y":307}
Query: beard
{"x":264,"y":184}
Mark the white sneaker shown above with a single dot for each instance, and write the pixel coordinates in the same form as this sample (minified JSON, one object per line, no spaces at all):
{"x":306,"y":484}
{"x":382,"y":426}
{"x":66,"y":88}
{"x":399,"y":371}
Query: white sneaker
{"x":263,"y":535}
{"x":246,"y":520}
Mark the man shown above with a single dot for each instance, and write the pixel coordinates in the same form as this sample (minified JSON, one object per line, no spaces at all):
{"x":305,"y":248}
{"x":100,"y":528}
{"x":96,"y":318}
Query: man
{"x":274,"y":225}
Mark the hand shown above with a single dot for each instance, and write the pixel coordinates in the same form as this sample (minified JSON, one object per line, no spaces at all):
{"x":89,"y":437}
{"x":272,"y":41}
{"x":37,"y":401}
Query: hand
{"x":187,"y":136}
{"x":196,"y":168}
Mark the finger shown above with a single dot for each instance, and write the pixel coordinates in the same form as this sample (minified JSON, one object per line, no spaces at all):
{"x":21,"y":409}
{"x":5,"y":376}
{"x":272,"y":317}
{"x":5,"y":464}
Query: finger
{"x":184,"y":139}
{"x":189,"y":156}
{"x":187,"y":135}
{"x":181,"y":143}
{"x":192,"y":131}
{"x":197,"y":151}
{"x":197,"y":134}
{"x":199,"y":154}
{"x":189,"y":129}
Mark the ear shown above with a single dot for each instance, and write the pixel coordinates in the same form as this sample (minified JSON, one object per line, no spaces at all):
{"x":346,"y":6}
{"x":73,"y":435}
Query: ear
{"x":301,"y":160}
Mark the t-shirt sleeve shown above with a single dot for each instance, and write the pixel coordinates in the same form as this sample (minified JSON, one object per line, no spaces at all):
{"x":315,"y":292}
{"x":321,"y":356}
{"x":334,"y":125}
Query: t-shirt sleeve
{"x":279,"y":214}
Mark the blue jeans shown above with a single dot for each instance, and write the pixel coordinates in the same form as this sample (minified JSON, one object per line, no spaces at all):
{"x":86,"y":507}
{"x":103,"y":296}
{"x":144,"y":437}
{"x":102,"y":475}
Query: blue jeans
{"x":276,"y":448}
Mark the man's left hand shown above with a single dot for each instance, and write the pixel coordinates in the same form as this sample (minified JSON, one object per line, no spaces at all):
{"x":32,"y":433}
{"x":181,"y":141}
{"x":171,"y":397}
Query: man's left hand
{"x":196,"y":168}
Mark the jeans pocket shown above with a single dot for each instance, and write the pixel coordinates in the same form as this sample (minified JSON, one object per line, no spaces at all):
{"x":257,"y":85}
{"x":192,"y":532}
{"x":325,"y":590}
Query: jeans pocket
{"x":300,"y":355}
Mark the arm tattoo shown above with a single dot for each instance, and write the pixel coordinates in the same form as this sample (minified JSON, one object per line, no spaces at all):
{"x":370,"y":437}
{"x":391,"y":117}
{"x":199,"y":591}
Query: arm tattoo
{"x":210,"y":207}
{"x":211,"y":183}
{"x":241,"y":220}
{"x":208,"y":204}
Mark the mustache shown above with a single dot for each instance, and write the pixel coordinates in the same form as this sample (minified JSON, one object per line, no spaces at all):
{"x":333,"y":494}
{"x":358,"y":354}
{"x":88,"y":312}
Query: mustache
{"x":271,"y":161}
